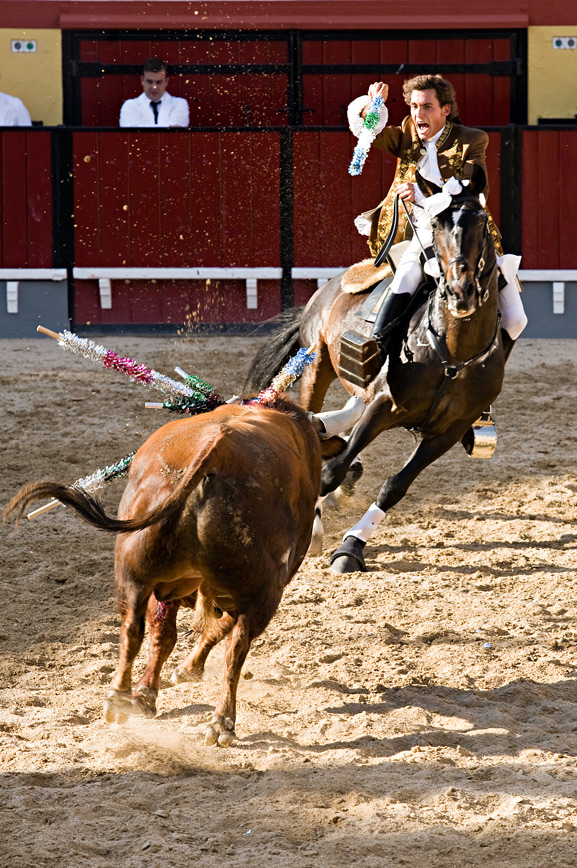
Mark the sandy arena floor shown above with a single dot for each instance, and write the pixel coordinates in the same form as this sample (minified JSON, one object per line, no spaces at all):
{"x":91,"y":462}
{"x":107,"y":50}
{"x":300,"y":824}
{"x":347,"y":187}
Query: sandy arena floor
{"x":422,"y":714}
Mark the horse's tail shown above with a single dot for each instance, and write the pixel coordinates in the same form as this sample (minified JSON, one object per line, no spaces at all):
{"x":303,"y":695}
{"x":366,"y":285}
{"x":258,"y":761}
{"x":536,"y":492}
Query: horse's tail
{"x":91,"y":510}
{"x":275,"y":353}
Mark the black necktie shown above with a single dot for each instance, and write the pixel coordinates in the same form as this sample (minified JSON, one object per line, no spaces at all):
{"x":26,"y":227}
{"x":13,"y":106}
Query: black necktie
{"x":154,"y":106}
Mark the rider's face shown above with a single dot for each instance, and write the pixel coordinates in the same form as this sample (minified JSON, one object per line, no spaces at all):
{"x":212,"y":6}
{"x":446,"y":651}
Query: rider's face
{"x":427,"y":113}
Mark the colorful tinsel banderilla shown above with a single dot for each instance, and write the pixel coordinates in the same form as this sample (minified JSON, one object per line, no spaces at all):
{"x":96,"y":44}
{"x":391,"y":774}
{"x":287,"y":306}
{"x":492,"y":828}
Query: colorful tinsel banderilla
{"x":99,"y":478}
{"x":291,"y":372}
{"x":194,"y":396}
{"x":138,"y":373}
{"x":367,"y":135}
{"x":92,"y":483}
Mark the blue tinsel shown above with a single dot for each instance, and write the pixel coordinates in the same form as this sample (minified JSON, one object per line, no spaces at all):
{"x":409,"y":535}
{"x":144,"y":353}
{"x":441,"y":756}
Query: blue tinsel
{"x":298,"y":362}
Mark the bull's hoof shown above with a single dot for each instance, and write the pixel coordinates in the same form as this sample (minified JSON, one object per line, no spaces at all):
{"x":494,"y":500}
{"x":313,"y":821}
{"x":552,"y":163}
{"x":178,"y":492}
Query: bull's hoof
{"x":117,"y":707}
{"x":144,"y":701}
{"x":181,"y":675}
{"x":349,"y":558}
{"x":220,"y":731}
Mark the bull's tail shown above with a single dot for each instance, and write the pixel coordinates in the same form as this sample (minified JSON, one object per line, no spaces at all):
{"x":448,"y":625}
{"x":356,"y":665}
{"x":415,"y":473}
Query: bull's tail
{"x":275,"y":353}
{"x":91,"y":510}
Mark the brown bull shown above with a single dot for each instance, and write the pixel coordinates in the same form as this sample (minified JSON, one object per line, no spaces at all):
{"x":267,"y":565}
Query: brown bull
{"x":218,"y":514}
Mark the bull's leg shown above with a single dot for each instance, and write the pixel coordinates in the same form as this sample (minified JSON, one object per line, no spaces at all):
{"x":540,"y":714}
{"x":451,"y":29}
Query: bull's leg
{"x":221,"y":729}
{"x":349,"y":556}
{"x":249,"y":624}
{"x":117,"y":706}
{"x":161,"y":618}
{"x":192,"y":667}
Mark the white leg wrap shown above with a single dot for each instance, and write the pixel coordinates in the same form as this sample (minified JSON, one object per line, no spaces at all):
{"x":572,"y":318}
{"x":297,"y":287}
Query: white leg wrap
{"x":368,"y":523}
{"x":337,"y":421}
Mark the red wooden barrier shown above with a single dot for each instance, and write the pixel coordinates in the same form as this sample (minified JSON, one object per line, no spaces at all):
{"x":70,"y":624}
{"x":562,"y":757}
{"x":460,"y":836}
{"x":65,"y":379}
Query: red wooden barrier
{"x":182,"y":199}
{"x":25,"y":199}
{"x":162,"y":200}
{"x":549,"y":193}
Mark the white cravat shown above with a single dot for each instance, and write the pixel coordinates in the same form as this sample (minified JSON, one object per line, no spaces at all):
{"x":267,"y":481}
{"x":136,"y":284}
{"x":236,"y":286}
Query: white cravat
{"x":428,"y":166}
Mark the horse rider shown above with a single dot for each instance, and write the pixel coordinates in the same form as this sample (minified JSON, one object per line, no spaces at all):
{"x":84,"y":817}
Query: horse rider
{"x":432,"y":140}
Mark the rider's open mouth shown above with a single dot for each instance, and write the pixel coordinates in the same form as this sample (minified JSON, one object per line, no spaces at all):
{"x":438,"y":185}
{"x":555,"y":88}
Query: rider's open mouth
{"x":423,"y":128}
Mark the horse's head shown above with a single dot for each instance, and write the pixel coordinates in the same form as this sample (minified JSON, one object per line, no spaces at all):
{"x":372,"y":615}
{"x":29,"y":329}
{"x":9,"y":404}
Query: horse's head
{"x":463,"y":245}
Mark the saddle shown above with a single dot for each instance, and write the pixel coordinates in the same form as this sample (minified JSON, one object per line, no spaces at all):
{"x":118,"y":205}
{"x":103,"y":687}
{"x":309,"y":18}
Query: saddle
{"x":360,"y":356}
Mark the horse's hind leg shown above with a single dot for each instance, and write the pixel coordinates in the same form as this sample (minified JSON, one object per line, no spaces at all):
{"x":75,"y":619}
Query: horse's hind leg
{"x":316,"y":380}
{"x":161,"y":618}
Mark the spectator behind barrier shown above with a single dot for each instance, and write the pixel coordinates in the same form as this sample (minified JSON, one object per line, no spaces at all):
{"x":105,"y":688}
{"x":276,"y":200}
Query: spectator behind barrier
{"x":13,"y":112}
{"x":155,"y":106}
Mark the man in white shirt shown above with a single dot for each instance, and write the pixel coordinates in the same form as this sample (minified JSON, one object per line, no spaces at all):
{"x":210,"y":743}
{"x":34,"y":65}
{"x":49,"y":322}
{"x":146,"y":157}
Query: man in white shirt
{"x":13,"y":112}
{"x":155,"y":106}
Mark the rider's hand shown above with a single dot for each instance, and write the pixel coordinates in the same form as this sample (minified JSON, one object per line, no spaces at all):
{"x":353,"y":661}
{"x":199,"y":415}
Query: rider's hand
{"x":406,"y":191}
{"x":379,"y":88}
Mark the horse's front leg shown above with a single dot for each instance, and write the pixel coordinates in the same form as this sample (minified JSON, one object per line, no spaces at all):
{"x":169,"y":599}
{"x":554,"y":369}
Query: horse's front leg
{"x":349,"y":556}
{"x":377,"y":417}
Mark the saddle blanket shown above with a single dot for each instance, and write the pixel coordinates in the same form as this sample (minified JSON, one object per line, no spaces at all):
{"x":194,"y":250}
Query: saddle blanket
{"x":363,"y":275}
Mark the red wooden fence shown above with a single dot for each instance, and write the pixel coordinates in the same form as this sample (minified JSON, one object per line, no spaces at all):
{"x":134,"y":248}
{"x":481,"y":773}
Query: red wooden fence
{"x":549,"y":194}
{"x":25,"y":199}
{"x":196,"y":199}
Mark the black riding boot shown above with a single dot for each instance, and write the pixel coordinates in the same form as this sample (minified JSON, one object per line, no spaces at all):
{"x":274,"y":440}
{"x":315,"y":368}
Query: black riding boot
{"x":508,"y":344}
{"x":394,"y":306}
{"x":485,"y":418}
{"x":362,"y":358}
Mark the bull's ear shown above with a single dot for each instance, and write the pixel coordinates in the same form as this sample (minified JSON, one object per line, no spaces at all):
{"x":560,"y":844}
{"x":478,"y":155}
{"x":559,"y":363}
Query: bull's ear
{"x":478,"y":180}
{"x":427,"y":188}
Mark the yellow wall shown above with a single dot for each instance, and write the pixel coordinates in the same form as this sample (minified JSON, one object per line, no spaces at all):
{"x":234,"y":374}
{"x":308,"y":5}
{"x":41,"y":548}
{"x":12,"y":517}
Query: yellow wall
{"x":552,"y":74}
{"x":35,"y":78}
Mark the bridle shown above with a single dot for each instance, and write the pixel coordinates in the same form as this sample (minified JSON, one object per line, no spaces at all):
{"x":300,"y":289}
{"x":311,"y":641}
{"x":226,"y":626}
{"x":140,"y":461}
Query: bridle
{"x":481,"y":292}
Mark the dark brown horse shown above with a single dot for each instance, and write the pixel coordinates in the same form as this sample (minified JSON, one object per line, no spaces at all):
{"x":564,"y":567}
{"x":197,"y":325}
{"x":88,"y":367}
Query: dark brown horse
{"x":445,"y":368}
{"x":217,"y":514}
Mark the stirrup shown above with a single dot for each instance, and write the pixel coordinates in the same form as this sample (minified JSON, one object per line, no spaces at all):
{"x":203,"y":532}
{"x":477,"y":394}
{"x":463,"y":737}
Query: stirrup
{"x":360,"y":358}
{"x":480,"y":441}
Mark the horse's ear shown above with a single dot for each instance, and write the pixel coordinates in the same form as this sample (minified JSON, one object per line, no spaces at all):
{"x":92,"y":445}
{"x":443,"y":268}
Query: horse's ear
{"x":427,"y":188}
{"x":478,"y":180}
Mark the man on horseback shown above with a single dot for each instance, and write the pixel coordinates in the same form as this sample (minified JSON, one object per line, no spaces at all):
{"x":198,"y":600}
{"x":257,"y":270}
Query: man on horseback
{"x":432,"y":141}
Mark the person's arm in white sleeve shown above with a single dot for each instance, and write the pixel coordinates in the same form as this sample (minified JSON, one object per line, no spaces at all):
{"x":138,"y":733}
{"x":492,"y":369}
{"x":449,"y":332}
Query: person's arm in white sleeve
{"x":179,"y":116}
{"x":21,"y":114}
{"x":129,"y":115}
{"x":357,"y":109}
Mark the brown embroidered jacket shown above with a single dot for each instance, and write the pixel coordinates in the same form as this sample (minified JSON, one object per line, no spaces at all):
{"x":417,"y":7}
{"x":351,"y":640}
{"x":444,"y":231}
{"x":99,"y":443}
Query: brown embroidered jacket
{"x":458,"y":149}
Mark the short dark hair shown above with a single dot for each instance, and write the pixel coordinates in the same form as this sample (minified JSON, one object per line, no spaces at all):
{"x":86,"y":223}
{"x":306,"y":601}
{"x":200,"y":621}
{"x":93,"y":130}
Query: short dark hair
{"x":443,"y":88}
{"x":154,"y":64}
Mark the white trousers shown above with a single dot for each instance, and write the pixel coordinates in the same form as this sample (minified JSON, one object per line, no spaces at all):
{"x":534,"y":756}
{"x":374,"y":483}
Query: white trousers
{"x":409,"y":275}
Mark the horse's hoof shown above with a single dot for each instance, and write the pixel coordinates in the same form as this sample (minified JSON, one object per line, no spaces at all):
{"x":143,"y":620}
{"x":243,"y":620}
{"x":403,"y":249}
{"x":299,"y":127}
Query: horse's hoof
{"x":220,"y":731}
{"x":354,"y":473}
{"x":117,"y":707}
{"x":144,"y":701}
{"x":349,"y":558}
{"x":181,"y":675}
